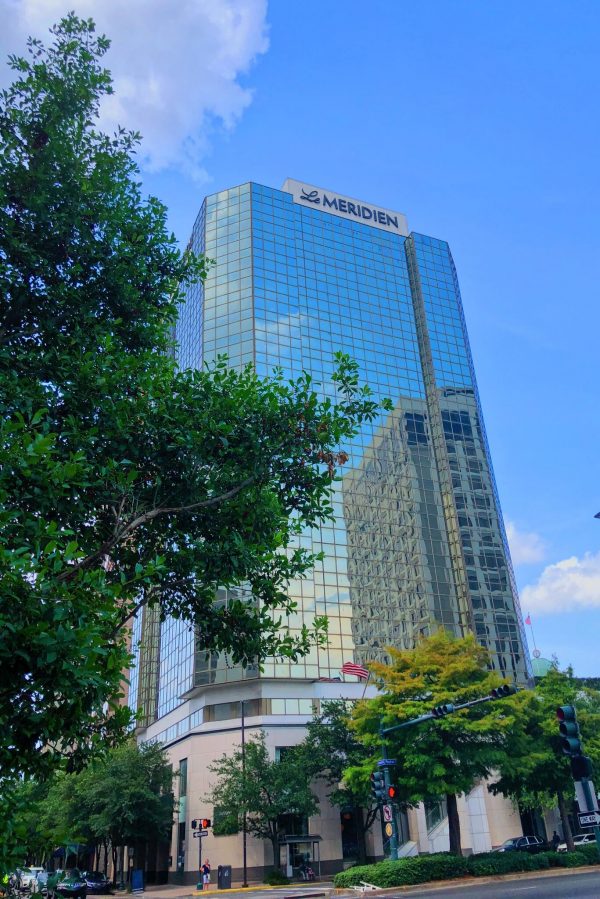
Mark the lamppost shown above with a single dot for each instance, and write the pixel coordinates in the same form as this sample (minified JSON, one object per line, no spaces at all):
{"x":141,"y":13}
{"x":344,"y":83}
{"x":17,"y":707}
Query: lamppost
{"x":244,"y":831}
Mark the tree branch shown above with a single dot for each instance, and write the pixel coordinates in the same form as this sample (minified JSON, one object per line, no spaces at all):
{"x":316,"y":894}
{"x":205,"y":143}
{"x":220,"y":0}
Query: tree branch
{"x":144,"y":518}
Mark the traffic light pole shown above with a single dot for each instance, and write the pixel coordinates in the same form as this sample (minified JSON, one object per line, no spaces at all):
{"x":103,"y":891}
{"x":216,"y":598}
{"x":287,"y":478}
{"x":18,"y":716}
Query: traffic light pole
{"x":441,"y":711}
{"x":581,"y":766}
{"x":386,"y":764}
{"x":394,"y":835}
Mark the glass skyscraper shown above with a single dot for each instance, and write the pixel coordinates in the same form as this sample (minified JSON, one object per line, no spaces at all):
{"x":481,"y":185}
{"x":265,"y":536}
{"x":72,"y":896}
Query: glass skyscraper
{"x":419,"y":540}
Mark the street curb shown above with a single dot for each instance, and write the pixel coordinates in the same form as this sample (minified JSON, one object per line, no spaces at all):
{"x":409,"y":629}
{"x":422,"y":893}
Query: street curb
{"x":456,"y":882}
{"x":266,"y":886}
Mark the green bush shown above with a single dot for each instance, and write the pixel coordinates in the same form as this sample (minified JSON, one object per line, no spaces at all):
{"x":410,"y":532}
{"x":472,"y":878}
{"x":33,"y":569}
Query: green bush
{"x":276,"y":878}
{"x":590,"y":853}
{"x":489,"y":863}
{"x":442,"y":866}
{"x":405,"y":871}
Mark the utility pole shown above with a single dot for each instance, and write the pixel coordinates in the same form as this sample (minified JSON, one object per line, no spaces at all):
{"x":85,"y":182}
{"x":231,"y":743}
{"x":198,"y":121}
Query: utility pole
{"x":244,"y":830}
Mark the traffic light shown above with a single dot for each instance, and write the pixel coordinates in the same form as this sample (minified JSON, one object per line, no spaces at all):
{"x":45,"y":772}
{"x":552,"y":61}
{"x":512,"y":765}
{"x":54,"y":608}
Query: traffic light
{"x":581,"y":767}
{"x":569,"y":730}
{"x":502,"y":691}
{"x":392,"y":792}
{"x":378,"y":786}
{"x":194,"y":824}
{"x":440,"y":710}
{"x":205,"y":822}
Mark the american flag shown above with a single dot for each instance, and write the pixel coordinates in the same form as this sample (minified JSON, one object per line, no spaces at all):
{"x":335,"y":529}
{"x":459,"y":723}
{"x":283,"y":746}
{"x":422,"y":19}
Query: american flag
{"x":353,"y":668}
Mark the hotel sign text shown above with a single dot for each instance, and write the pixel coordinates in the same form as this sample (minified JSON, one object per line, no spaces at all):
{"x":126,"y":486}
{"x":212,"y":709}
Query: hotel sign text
{"x":346,"y":207}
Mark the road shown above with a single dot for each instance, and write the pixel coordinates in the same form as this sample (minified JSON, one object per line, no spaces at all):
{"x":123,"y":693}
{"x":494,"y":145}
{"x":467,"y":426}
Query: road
{"x":568,"y":886}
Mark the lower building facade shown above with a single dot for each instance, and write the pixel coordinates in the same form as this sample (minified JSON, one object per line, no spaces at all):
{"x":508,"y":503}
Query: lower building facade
{"x":327,"y":841}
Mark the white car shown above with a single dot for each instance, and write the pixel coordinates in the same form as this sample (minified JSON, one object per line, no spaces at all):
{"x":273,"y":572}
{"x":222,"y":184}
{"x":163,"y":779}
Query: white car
{"x":28,"y":878}
{"x":582,"y":840}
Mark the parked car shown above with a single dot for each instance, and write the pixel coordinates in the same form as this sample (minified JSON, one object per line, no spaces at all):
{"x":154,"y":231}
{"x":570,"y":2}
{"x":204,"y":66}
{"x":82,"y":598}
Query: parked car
{"x":67,"y":884}
{"x":96,"y":882}
{"x":523,"y":844}
{"x":28,"y":878}
{"x":42,"y":881}
{"x":582,"y":840}
{"x":24,"y":875}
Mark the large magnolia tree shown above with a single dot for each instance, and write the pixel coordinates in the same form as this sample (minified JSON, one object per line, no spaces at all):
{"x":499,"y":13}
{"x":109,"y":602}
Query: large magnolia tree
{"x":124,"y":481}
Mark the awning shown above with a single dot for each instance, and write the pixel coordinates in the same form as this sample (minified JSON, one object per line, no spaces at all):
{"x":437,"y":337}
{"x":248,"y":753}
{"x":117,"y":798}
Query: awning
{"x":303,"y":838}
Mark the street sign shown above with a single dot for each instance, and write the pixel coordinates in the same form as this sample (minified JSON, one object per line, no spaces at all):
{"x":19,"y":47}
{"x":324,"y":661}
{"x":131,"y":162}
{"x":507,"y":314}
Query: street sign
{"x":387,"y":812}
{"x":386,"y":763}
{"x":582,"y":798}
{"x":589,"y":819}
{"x":388,"y":830}
{"x":201,"y":833}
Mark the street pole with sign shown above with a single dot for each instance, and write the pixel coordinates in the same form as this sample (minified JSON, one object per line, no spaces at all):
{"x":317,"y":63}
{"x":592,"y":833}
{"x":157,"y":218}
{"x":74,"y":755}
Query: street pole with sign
{"x":391,"y":826}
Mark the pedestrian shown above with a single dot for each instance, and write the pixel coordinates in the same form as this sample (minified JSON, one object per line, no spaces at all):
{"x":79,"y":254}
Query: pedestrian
{"x":555,"y":841}
{"x":206,"y":874}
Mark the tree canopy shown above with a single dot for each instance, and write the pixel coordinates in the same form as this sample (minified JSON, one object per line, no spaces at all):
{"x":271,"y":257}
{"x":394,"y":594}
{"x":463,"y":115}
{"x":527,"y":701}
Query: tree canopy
{"x":536,"y":772}
{"x":120,"y":799}
{"x":264,"y":789}
{"x":123,"y":480}
{"x":437,"y":758}
{"x":331,"y":747}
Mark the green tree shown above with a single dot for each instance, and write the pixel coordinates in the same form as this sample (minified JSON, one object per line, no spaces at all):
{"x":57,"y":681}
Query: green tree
{"x":330,"y":747}
{"x":127,"y":797}
{"x":442,"y":757}
{"x":262,"y":788}
{"x":124,"y":481}
{"x":535,"y":772}
{"x":122,"y":798}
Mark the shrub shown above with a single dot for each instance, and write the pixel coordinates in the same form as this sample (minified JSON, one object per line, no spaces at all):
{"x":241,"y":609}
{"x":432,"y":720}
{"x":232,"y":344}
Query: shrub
{"x":276,"y":878}
{"x":405,"y":871}
{"x":442,"y":866}
{"x":488,"y":863}
{"x":590,"y":853}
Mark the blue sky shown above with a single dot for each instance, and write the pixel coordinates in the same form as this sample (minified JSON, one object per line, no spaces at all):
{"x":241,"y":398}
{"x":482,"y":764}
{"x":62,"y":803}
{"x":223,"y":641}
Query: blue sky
{"x":480,"y":122}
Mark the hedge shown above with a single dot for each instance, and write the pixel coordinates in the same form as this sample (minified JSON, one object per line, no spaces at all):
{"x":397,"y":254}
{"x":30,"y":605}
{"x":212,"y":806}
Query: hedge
{"x":443,"y":866}
{"x":405,"y":871}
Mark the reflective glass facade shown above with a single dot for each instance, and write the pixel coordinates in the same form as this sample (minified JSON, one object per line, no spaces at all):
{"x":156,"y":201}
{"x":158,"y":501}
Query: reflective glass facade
{"x":419,"y":539}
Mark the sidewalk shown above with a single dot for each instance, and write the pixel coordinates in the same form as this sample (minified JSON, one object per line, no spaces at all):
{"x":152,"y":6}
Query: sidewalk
{"x":300,"y":889}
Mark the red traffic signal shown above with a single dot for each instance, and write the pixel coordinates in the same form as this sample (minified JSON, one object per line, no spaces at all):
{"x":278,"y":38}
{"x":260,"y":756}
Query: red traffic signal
{"x":205,"y":822}
{"x":392,"y":792}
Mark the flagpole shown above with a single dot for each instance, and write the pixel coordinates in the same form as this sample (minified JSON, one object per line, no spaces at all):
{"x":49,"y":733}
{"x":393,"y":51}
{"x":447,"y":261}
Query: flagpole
{"x":365,"y":686}
{"x":532,"y":634}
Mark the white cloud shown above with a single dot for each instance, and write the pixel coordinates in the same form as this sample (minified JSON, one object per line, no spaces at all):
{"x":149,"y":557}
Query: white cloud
{"x":565,"y":586}
{"x":525,"y":548}
{"x":176,"y":65}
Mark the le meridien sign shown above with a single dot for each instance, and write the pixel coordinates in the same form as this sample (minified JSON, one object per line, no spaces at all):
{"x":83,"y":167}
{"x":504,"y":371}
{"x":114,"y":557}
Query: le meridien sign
{"x":346,"y":207}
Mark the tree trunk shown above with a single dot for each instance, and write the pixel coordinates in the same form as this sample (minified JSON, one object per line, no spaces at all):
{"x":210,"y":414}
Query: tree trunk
{"x":361,"y":832}
{"x":564,"y":817}
{"x":453,"y":824}
{"x":113,"y":851}
{"x":275,"y":847}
